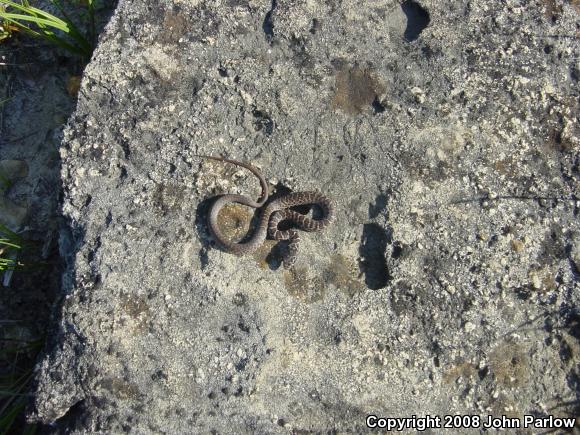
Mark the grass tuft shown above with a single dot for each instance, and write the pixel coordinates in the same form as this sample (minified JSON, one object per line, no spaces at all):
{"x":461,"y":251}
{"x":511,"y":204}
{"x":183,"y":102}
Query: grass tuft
{"x":10,"y":244}
{"x":62,"y":32}
{"x":14,"y":383}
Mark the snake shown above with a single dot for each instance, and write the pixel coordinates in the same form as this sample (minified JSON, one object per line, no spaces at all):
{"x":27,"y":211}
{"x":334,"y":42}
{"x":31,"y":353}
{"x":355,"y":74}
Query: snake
{"x":274,"y":212}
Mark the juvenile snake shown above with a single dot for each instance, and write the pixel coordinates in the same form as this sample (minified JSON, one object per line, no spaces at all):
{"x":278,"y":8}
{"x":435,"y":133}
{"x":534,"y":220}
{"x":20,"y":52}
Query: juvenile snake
{"x":274,"y":213}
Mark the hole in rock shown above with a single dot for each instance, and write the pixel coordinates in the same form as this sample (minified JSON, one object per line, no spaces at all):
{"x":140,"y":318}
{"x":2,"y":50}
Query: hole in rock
{"x":315,"y":26}
{"x":263,"y":122}
{"x":267,"y":25}
{"x":377,"y":106}
{"x":372,"y":250}
{"x":417,"y":19}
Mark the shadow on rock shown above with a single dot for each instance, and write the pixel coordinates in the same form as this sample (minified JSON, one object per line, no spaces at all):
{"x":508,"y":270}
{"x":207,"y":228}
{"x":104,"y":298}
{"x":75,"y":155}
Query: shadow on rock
{"x":372,"y":251}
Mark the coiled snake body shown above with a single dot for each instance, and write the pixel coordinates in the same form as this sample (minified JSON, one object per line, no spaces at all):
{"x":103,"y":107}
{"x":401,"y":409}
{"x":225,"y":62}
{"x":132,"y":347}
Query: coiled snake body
{"x":274,"y":213}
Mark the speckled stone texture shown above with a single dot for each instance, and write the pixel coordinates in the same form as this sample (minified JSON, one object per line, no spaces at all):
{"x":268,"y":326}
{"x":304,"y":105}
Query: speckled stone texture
{"x":447,"y":134}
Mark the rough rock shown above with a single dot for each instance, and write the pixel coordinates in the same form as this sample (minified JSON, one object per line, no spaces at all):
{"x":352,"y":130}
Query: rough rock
{"x":447,"y":134}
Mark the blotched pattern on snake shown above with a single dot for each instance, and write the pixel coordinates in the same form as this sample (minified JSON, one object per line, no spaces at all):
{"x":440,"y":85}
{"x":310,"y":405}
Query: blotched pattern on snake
{"x":274,"y":213}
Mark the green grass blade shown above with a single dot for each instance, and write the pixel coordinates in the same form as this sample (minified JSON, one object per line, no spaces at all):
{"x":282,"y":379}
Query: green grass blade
{"x":44,"y":21}
{"x":7,"y":264}
{"x":33,"y":11}
{"x":8,"y":233}
{"x":15,"y":403}
{"x":51,"y":37}
{"x":39,"y":21}
{"x":6,"y":242}
{"x":61,"y":9}
{"x":74,"y":32}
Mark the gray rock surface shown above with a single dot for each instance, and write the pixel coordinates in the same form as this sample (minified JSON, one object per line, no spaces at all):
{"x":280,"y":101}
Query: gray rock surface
{"x":449,"y":281}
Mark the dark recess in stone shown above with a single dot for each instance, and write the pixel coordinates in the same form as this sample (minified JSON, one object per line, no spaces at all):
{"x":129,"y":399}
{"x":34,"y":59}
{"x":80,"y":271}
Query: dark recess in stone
{"x":380,"y":205}
{"x":263,"y":122}
{"x":572,"y":321}
{"x":566,"y":353}
{"x":417,"y":19}
{"x":268,"y":26}
{"x":243,"y":327}
{"x":91,"y":254}
{"x":372,"y":251}
{"x":482,"y":373}
{"x":158,"y":375}
{"x":126,"y":149}
{"x":202,"y":229}
{"x":575,"y":73}
{"x":123,"y":174}
{"x":74,"y":416}
{"x":301,"y":56}
{"x":203,"y":258}
{"x":240,"y":299}
{"x":196,"y":85}
{"x":427,"y":51}
{"x":241,"y":365}
{"x":315,"y":26}
{"x":377,"y":106}
{"x":573,"y":266}
{"x":573,"y":380}
{"x":397,"y":250}
{"x":523,"y":293}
